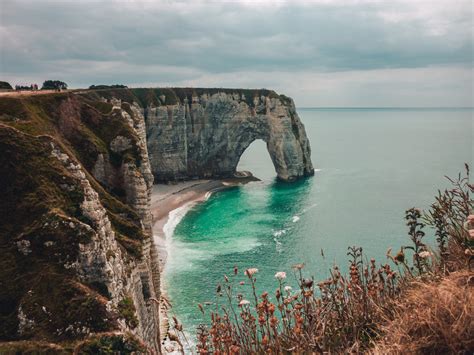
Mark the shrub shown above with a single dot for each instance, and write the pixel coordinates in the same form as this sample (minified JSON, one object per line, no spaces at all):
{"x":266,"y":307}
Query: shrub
{"x":54,"y":85}
{"x":126,"y":310}
{"x":5,"y":85}
{"x":99,"y":87}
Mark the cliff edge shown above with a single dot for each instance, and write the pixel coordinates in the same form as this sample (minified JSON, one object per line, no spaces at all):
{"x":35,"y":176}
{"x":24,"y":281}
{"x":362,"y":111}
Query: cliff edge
{"x":77,"y":263}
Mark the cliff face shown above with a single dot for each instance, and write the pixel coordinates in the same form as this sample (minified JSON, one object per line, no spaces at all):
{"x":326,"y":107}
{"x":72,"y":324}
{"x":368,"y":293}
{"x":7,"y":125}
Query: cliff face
{"x":196,"y":133}
{"x":77,"y":257}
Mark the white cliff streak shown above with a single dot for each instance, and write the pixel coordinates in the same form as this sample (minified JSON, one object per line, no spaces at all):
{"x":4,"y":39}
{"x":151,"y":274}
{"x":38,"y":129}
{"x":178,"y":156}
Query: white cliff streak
{"x":102,"y":260}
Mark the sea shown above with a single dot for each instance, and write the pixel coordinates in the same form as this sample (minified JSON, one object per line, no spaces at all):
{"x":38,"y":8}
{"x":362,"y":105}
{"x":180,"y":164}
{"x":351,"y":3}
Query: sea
{"x":371,"y":164}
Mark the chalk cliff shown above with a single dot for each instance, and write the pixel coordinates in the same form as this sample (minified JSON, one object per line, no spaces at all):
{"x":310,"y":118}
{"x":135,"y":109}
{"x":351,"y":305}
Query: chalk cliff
{"x":77,"y":262}
{"x":196,"y":133}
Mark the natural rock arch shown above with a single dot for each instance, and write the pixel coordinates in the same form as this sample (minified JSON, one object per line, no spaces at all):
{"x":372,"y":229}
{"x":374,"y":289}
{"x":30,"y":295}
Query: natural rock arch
{"x":205,"y":136}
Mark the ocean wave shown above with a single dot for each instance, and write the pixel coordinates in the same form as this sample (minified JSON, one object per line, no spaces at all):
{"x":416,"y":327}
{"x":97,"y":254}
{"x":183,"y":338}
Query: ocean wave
{"x":295,"y":219}
{"x":191,"y":255}
{"x":174,"y":217}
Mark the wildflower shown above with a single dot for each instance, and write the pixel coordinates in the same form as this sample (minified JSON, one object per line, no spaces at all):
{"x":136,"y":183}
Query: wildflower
{"x":280,"y":275}
{"x":250,"y":272}
{"x":298,"y":266}
{"x":424,"y":254}
{"x":400,"y":257}
{"x":243,"y":303}
{"x":235,"y":270}
{"x":307,"y":283}
{"x":288,"y":289}
{"x":241,"y":283}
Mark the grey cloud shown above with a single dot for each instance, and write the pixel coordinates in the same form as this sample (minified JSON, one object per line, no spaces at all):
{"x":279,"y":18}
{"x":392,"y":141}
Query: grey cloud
{"x":144,"y":41}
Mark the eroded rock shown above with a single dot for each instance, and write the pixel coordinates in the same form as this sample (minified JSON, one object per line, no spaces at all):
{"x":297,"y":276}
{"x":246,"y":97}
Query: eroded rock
{"x":204,"y":136}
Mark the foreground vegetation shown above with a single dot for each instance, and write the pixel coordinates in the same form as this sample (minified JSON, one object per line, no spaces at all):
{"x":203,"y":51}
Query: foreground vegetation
{"x":420,"y":301}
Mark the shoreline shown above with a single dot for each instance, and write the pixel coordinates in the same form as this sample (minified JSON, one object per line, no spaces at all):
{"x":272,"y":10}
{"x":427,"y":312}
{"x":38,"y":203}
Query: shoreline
{"x":169,"y":204}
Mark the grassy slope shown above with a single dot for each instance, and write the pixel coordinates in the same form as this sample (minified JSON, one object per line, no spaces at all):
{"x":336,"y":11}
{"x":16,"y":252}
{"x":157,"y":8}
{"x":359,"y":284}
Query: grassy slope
{"x":34,"y":207}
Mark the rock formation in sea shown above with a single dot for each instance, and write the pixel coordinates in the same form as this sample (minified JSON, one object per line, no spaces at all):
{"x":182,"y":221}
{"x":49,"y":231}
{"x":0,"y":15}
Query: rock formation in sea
{"x":202,"y":133}
{"x":78,"y":267}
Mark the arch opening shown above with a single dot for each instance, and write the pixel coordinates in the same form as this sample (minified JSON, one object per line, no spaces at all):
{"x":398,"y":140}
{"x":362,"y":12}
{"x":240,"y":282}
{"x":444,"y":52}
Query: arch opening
{"x":257,"y":160}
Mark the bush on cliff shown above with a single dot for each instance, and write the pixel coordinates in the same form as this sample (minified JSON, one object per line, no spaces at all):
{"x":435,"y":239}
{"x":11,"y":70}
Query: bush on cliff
{"x":54,"y":85}
{"x":100,"y":87}
{"x":5,"y":86}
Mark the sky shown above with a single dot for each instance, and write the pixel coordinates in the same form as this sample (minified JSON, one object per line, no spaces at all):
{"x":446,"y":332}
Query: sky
{"x":395,"y":53}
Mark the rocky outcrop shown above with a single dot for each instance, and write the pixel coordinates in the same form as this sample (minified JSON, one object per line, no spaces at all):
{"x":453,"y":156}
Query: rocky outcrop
{"x":203,"y":133}
{"x":136,"y":180}
{"x":77,"y":258}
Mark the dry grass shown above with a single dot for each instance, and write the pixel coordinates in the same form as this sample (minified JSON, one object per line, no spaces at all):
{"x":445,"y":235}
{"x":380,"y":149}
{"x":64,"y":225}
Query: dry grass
{"x":432,"y":318}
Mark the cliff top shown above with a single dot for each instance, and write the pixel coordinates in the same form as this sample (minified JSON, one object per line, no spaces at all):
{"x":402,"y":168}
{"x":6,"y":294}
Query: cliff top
{"x":155,"y":96}
{"x":173,"y":96}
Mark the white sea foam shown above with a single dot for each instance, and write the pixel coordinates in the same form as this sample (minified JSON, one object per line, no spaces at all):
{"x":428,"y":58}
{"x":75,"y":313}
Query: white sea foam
{"x":191,"y":255}
{"x":295,"y":219}
{"x":278,"y":246}
{"x":174,"y":217}
{"x":279,"y":233}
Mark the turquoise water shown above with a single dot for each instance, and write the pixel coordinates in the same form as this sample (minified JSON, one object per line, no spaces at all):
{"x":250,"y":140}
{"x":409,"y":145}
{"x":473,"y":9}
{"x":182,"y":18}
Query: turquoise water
{"x":372,"y":165}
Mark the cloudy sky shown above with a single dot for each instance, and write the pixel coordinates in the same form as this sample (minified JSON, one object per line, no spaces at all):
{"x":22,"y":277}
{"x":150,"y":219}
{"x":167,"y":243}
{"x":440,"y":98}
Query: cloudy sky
{"x":321,"y":52}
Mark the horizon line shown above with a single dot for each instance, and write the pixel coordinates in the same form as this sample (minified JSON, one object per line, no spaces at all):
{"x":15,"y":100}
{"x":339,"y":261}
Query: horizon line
{"x":382,"y":107}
